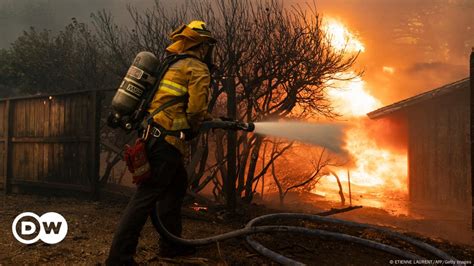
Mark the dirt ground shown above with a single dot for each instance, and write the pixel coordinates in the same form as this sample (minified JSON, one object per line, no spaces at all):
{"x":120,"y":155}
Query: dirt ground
{"x":91,"y":227}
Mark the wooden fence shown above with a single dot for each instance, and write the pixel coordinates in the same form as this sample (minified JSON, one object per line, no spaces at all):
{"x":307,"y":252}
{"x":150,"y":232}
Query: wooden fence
{"x":50,"y":142}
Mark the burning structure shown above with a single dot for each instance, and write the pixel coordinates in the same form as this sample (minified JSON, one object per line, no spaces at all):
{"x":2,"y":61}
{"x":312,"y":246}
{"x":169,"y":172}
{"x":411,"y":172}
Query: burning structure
{"x":438,"y":126}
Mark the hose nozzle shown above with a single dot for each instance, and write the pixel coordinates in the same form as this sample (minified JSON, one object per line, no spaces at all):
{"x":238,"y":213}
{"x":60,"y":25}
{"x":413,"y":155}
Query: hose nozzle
{"x":228,"y":125}
{"x":249,"y":127}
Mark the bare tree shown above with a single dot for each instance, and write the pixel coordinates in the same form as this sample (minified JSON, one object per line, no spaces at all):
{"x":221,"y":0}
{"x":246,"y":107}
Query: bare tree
{"x":293,"y":63}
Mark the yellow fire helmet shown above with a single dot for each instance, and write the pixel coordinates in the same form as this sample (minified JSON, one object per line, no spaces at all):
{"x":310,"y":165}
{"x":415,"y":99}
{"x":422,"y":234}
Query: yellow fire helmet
{"x":188,"y":36}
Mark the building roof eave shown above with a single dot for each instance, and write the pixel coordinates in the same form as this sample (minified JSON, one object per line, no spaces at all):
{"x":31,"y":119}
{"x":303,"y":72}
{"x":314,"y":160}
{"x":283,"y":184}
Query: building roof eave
{"x":389,"y":109}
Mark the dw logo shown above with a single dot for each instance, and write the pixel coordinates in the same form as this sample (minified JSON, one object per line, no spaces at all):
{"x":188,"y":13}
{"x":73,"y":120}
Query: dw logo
{"x":28,"y":228}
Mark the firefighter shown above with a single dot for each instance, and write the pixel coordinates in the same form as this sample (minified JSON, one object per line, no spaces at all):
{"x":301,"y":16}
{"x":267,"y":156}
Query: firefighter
{"x":188,"y":78}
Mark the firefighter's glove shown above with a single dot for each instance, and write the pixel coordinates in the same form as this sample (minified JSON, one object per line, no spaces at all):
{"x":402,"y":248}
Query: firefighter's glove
{"x":190,"y":134}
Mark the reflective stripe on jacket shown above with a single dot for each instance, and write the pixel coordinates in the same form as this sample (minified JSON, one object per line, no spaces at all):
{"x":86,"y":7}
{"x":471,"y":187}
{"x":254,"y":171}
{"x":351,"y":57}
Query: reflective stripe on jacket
{"x":187,"y":76}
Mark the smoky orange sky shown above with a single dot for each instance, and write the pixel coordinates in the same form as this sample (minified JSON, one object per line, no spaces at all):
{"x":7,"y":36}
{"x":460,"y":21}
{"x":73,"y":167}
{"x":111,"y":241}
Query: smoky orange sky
{"x":411,"y":46}
{"x":422,"y":44}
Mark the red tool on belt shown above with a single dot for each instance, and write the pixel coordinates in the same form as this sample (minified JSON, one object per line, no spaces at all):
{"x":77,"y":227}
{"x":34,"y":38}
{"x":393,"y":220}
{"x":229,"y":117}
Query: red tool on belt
{"x":137,"y":161}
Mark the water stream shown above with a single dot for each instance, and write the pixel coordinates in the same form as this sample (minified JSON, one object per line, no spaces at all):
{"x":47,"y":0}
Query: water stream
{"x":328,"y":135}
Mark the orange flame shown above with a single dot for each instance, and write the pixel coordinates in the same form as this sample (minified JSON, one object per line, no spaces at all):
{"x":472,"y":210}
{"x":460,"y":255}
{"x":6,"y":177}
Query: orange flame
{"x":340,"y":37}
{"x":373,"y":168}
{"x":349,"y":96}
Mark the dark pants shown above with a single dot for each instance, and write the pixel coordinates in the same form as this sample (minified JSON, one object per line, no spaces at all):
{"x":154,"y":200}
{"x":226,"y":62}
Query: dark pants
{"x":167,"y":187}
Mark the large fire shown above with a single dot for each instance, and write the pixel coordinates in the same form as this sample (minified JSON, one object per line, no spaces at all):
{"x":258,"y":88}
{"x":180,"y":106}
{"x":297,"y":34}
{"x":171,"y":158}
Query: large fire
{"x":374,"y":169}
{"x":340,"y":37}
{"x":350,"y":97}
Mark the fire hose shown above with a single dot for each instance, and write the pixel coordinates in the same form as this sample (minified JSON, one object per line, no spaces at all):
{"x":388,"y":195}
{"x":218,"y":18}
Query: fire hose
{"x":251,"y":229}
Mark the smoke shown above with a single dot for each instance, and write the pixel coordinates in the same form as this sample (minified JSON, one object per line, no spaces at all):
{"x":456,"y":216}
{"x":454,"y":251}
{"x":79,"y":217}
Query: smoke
{"x":17,"y":16}
{"x":425,"y":44}
{"x":388,"y":133}
{"x":419,"y":68}
{"x":327,"y":135}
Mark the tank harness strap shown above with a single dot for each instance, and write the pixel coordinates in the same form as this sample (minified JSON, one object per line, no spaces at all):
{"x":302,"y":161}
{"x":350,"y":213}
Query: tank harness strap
{"x":156,"y":130}
{"x":168,"y":61}
{"x":162,"y":107}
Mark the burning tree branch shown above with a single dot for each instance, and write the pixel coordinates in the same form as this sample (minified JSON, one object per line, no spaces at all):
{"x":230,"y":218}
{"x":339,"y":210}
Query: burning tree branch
{"x":292,"y":180}
{"x":318,"y":167}
{"x":341,"y":193}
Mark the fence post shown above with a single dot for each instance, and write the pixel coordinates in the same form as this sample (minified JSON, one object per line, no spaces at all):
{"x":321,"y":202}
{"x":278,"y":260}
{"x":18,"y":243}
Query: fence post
{"x":7,"y":162}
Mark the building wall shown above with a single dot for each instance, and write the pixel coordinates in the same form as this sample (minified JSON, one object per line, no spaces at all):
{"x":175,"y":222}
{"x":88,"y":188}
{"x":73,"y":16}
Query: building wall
{"x":439,"y":151}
